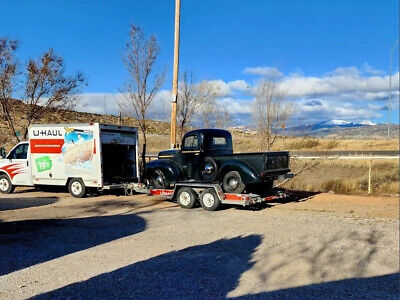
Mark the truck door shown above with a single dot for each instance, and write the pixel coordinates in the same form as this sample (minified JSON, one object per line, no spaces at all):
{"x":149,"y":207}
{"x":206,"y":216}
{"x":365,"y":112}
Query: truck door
{"x":18,"y":167}
{"x":191,"y":156}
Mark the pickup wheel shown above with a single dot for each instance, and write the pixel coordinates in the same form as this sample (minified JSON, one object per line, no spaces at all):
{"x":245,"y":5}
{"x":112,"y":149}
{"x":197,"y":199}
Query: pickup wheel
{"x":6,"y":186}
{"x":232,"y":183}
{"x":76,"y":188}
{"x":186,"y":197}
{"x":209,"y":200}
{"x":208,"y":169}
{"x":159,"y":180}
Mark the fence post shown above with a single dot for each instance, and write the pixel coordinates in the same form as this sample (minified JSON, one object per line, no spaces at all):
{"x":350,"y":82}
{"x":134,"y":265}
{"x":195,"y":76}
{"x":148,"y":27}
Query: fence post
{"x":369,"y":176}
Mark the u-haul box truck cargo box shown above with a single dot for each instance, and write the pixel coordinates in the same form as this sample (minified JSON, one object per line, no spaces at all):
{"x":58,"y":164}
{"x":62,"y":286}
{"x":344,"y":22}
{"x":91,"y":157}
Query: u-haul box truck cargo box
{"x":79,"y":156}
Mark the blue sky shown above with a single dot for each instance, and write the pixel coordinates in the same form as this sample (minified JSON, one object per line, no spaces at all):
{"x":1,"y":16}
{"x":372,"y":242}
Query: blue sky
{"x":333,"y":55}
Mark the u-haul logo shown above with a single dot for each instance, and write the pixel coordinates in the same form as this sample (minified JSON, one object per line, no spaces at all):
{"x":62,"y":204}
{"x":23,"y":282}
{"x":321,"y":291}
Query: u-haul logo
{"x":47,"y":133}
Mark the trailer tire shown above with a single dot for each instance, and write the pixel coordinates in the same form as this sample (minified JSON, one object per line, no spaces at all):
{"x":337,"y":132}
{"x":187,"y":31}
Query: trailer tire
{"x":6,"y":186}
{"x":76,"y":188}
{"x":209,"y":200}
{"x":232,"y":183}
{"x":186,"y":197}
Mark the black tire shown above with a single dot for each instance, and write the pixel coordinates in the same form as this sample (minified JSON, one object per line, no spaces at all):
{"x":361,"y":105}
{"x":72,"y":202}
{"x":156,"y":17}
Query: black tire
{"x":208,"y":169}
{"x":77,"y":188}
{"x":209,"y":200}
{"x":268,"y":185}
{"x":6,"y":186}
{"x":232,"y":183}
{"x":186,"y":197}
{"x":158,"y":180}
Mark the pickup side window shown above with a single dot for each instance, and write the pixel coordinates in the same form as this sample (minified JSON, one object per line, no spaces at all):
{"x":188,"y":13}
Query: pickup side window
{"x":19,"y":152}
{"x":191,"y":143}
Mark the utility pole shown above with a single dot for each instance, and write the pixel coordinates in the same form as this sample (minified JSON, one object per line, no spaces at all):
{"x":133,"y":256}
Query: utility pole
{"x":175,"y":75}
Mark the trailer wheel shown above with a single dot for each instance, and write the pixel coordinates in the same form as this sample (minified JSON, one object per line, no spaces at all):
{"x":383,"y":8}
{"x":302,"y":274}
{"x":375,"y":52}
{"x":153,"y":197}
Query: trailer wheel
{"x":6,"y":186}
{"x":186,"y":197}
{"x":209,"y":200}
{"x":77,"y":188}
{"x":232,"y":183}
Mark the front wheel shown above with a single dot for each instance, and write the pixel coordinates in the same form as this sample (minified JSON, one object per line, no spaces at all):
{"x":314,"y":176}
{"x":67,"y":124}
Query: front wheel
{"x":6,"y":186}
{"x":158,"y":180}
{"x":77,"y":188}
{"x":209,"y":200}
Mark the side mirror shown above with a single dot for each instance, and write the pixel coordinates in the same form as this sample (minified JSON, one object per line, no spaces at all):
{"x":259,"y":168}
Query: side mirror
{"x":3,"y":152}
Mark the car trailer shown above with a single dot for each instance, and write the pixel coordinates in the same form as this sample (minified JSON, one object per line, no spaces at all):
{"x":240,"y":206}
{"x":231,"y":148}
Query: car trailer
{"x":210,"y":195}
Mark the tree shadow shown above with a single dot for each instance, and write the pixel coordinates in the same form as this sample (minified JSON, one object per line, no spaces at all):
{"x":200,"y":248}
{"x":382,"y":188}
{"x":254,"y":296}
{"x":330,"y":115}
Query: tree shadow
{"x":378,"y":287}
{"x":20,"y":203}
{"x":27,"y":243}
{"x":203,"y":271}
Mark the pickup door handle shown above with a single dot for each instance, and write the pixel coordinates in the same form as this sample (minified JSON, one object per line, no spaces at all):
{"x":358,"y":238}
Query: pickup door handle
{"x":27,"y":163}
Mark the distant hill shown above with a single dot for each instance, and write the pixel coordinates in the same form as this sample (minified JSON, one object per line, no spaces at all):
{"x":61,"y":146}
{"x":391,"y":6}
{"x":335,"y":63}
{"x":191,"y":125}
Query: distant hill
{"x":344,"y":130}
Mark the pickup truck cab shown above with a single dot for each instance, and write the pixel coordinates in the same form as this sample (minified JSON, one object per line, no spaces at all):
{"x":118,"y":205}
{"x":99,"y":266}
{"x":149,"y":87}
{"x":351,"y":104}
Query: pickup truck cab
{"x":207,"y":155}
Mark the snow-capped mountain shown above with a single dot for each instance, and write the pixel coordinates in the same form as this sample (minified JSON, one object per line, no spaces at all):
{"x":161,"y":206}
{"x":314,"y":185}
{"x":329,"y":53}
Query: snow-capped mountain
{"x":326,"y":127}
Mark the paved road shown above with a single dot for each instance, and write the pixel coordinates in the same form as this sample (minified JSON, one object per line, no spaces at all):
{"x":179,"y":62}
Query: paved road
{"x":53,"y":246}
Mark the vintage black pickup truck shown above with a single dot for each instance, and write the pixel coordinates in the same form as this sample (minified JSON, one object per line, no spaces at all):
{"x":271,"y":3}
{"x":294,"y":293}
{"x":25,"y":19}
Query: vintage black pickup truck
{"x":207,"y":155}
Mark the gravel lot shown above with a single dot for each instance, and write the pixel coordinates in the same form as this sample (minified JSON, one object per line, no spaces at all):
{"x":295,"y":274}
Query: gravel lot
{"x":54,"y":246}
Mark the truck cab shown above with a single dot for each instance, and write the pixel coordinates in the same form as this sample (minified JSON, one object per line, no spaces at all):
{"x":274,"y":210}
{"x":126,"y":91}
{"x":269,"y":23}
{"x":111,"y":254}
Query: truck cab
{"x":15,"y":168}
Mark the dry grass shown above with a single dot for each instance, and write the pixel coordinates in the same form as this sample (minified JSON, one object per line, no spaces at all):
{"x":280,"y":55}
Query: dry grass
{"x":244,"y":142}
{"x":346,"y":176}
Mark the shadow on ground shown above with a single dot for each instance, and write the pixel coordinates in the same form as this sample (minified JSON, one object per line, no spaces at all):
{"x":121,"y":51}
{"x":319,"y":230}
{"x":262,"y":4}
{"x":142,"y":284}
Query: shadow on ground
{"x":378,"y":287}
{"x":238,"y":266}
{"x":30,"y":242}
{"x":203,"y":271}
{"x":19,"y":203}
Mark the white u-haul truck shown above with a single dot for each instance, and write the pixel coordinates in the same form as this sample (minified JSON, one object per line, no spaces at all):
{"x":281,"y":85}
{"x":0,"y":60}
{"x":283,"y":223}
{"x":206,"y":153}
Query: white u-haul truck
{"x":79,"y":156}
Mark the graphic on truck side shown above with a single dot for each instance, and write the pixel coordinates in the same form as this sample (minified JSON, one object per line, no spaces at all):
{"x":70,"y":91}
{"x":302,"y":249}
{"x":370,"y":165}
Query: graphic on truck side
{"x":13,"y":170}
{"x":43,"y":163}
{"x":78,"y":151}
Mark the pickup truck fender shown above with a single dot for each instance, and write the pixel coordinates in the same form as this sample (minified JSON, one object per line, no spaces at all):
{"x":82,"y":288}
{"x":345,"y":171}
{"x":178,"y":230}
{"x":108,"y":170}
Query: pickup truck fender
{"x":172,"y":171}
{"x":246,"y":172}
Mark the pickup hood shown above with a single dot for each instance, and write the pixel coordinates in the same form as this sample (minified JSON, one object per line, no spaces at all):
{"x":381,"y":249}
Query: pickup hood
{"x":168,"y":153}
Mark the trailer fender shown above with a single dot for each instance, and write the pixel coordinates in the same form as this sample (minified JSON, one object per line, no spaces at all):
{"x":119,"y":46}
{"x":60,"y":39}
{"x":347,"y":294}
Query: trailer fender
{"x":171,"y":170}
{"x":246,"y":172}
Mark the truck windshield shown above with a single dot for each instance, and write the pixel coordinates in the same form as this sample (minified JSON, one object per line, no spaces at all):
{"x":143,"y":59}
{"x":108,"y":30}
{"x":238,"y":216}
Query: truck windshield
{"x":19,"y":152}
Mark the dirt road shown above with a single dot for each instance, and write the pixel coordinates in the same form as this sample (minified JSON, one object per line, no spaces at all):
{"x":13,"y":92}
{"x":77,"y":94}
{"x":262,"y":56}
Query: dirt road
{"x":54,"y":246}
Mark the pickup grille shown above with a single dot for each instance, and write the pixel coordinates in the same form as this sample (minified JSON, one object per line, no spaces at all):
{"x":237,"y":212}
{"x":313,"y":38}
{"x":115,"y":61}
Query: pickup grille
{"x":277,"y":162}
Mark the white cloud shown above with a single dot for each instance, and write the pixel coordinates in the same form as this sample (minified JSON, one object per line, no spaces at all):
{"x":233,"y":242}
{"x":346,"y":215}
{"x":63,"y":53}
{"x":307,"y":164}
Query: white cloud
{"x":345,"y":71}
{"x":263,"y":71}
{"x":344,"y":94}
{"x":367,"y":68}
{"x":229,"y":88}
{"x":338,"y":85}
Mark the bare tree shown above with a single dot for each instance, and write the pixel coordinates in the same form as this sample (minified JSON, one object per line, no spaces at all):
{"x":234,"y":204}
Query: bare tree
{"x":8,"y":72}
{"x":271,"y":110}
{"x":47,"y":87}
{"x":212,"y":114}
{"x":141,"y":87}
{"x":190,"y":98}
